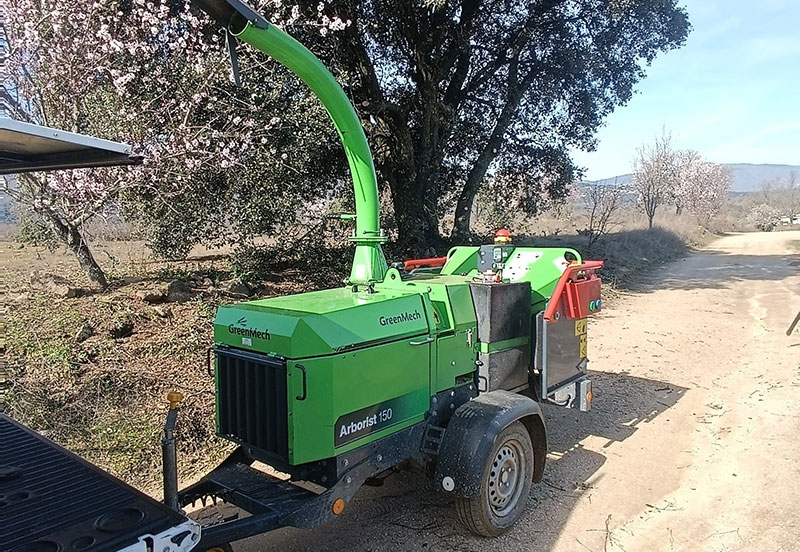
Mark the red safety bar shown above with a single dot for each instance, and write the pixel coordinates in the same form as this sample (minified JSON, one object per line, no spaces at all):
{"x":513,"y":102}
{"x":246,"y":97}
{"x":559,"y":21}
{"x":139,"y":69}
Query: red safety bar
{"x":432,"y":262}
{"x":578,"y":290}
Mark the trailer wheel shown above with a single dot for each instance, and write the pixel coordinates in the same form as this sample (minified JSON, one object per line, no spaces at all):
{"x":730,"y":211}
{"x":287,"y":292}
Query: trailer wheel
{"x":505,"y":485}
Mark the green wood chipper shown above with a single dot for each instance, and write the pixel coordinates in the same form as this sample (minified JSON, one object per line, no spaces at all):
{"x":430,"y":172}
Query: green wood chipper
{"x":443,"y":362}
{"x":439,"y":362}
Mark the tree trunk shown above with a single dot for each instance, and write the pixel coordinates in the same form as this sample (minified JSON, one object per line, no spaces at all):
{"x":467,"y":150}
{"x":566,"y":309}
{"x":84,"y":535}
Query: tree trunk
{"x":411,"y":179}
{"x":417,"y":224}
{"x":463,"y":214}
{"x":418,"y":230}
{"x":70,"y":235}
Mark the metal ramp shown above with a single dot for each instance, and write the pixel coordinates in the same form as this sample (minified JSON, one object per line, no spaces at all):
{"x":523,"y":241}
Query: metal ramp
{"x":52,"y":500}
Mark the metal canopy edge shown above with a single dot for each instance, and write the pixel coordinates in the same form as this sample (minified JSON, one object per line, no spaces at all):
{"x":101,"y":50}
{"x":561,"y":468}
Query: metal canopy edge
{"x":26,"y":147}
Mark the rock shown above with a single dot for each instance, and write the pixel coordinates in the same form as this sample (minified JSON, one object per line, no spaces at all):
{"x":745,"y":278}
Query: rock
{"x":53,"y":284}
{"x":121,"y":329}
{"x":162,"y":312}
{"x":151,"y":296}
{"x":179,"y":292}
{"x":264,"y":289}
{"x":238,"y":289}
{"x":84,"y":333}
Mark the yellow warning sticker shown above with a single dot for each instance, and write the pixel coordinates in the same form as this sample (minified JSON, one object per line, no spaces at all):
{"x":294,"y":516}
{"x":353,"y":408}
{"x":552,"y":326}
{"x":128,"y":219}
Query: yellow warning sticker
{"x":580,"y":327}
{"x":583,"y":346}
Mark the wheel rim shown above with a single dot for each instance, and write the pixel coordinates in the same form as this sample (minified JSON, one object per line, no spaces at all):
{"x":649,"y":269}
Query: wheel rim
{"x":505,"y":478}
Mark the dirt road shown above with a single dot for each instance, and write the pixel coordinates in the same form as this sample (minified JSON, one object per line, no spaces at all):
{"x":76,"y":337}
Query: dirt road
{"x":692,"y":443}
{"x":711,"y":458}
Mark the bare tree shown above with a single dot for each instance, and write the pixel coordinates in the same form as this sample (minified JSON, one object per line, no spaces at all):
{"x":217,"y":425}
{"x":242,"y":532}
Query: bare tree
{"x":655,"y":174}
{"x":785,"y":194}
{"x":793,"y":194}
{"x":601,"y":203}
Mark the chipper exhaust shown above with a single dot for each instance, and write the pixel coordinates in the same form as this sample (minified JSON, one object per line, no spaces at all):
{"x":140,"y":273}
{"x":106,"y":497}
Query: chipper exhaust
{"x":443,"y":361}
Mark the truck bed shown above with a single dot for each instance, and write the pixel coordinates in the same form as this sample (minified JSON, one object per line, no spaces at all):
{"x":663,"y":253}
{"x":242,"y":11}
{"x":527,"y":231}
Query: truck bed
{"x":51,"y":499}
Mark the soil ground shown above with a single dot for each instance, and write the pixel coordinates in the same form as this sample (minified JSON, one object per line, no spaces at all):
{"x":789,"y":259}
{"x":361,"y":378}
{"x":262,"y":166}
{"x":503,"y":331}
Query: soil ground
{"x":691,"y":445}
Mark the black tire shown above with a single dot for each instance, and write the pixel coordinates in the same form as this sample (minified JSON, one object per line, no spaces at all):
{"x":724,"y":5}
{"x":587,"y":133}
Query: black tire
{"x":505,"y":485}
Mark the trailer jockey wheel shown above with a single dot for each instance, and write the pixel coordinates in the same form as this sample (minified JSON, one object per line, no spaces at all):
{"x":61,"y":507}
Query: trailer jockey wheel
{"x":505,"y":485}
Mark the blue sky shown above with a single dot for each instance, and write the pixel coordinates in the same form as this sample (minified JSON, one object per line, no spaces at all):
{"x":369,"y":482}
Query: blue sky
{"x":732,"y":92}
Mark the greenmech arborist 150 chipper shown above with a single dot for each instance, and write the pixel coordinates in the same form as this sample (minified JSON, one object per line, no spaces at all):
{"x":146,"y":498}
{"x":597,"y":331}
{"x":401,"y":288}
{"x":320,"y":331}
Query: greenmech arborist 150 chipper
{"x":443,"y":365}
{"x":443,"y":362}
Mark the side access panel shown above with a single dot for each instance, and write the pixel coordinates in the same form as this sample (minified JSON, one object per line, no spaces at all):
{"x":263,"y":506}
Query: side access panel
{"x":503,"y":313}
{"x":344,"y":401}
{"x":560,"y":360}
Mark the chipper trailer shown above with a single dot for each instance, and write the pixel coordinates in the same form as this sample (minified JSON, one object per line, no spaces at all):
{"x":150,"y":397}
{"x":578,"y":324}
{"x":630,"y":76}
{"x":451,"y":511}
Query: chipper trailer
{"x":439,"y":362}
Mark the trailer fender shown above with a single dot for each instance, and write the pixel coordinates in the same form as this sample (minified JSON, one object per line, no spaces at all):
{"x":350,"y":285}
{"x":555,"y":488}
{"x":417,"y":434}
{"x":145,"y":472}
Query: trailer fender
{"x":471,"y":433}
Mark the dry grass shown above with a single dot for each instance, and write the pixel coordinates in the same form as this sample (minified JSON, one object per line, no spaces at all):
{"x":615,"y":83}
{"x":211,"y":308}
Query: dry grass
{"x":104,"y":398}
{"x":630,"y":253}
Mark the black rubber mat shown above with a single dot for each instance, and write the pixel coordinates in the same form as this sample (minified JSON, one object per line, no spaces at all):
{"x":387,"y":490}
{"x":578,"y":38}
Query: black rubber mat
{"x":52,"y":500}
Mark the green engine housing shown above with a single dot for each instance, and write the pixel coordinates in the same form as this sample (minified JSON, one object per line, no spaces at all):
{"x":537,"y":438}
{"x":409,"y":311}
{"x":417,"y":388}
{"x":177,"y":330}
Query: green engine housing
{"x":307,"y":377}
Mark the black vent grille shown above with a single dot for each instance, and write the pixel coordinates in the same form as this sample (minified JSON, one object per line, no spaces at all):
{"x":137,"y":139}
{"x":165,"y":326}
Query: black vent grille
{"x":251,"y":401}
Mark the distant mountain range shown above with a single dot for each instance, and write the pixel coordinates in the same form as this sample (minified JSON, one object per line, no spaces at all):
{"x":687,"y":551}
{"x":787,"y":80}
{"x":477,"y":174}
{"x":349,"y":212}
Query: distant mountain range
{"x":746,"y":177}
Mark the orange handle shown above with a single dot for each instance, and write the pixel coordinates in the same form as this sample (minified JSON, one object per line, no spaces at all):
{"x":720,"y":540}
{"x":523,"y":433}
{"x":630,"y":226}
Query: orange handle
{"x":587,"y":267}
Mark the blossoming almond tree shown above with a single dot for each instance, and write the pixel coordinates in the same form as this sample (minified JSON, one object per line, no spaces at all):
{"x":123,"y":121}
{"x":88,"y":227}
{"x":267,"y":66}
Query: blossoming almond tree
{"x":56,"y":67}
{"x":154,"y":74}
{"x":702,"y":186}
{"x":655,"y":174}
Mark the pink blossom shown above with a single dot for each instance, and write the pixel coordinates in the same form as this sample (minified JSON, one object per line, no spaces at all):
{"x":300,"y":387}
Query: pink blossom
{"x":146,"y":77}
